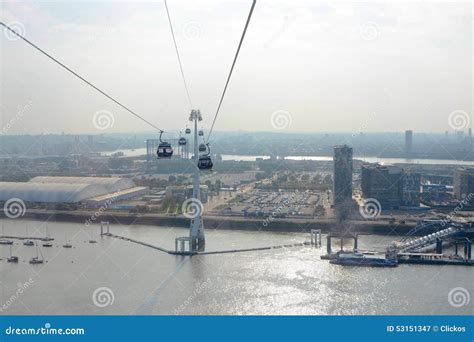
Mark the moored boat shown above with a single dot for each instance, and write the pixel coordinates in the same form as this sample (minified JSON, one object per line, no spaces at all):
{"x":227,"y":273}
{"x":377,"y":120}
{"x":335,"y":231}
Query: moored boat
{"x":359,"y":259}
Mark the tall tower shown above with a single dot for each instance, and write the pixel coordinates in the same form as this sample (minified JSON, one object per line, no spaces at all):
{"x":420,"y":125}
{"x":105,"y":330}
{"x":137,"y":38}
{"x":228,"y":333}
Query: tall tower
{"x":408,"y":143}
{"x":196,"y":225}
{"x":342,"y":182}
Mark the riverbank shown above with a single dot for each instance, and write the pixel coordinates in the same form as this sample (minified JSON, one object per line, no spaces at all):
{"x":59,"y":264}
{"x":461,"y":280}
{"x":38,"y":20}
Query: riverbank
{"x":382,"y":227}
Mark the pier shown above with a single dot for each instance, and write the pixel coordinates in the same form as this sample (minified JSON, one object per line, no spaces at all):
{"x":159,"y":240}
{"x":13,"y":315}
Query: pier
{"x":191,"y":253}
{"x":417,"y":250}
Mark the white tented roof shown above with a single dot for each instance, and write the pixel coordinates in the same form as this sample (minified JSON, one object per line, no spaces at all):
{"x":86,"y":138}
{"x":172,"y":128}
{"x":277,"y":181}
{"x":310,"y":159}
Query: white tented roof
{"x":50,"y":193}
{"x":112,"y":184}
{"x":63,"y":189}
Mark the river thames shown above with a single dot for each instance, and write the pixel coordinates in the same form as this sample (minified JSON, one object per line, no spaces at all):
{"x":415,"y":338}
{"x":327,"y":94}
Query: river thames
{"x":117,"y":277}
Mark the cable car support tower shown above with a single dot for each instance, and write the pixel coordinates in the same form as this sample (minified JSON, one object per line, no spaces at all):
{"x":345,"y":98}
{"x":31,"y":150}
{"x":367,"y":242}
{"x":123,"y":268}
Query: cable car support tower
{"x":196,"y":235}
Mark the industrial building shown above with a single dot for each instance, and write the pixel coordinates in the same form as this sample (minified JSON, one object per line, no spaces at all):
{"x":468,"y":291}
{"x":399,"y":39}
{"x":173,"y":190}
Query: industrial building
{"x":182,"y":192}
{"x":89,"y":191}
{"x":463,"y":182}
{"x":342,"y":183}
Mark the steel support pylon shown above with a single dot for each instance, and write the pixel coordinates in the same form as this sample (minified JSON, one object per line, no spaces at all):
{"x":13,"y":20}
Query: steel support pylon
{"x":196,"y":225}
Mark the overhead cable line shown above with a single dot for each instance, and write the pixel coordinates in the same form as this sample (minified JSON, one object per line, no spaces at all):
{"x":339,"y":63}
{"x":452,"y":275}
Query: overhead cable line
{"x":232,"y":68}
{"x":179,"y":58}
{"x":80,"y":77}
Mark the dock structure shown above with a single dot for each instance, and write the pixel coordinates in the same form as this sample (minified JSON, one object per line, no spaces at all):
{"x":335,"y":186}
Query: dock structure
{"x":316,"y":237}
{"x":180,"y":246}
{"x":341,"y":237}
{"x":415,"y":251}
{"x":105,"y":224}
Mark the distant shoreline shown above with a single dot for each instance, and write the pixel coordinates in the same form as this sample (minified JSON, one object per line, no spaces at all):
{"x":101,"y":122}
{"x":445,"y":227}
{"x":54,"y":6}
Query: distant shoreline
{"x":140,"y":152}
{"x":381,"y":227}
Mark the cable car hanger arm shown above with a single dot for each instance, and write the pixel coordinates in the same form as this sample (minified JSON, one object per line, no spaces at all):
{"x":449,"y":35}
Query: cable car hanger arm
{"x":80,"y":77}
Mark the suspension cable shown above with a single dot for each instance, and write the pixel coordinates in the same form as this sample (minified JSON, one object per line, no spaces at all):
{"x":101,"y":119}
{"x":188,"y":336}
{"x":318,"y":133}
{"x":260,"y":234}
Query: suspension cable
{"x":80,"y":77}
{"x":179,"y":58}
{"x":231,"y":69}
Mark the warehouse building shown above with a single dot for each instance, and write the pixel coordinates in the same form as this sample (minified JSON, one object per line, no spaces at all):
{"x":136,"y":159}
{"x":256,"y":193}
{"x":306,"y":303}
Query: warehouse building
{"x":88,"y":191}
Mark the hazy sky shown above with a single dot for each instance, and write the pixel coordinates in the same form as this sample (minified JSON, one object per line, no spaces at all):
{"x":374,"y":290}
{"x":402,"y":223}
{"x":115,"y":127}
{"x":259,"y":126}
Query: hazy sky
{"x":324,"y":66}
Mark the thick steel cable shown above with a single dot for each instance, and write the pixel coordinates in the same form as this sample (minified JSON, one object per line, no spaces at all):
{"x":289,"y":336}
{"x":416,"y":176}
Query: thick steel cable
{"x":80,"y":77}
{"x":231,"y":69}
{"x":179,"y":58}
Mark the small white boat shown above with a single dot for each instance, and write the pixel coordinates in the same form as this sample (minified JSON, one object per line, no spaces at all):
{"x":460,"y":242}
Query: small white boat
{"x":67,"y":244}
{"x":37,"y":259}
{"x":12,"y":258}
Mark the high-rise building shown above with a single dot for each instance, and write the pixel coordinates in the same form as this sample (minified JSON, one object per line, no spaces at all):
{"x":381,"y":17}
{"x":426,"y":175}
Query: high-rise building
{"x":384,"y":183}
{"x":408,"y":143}
{"x":342,"y":182}
{"x":463,"y":182}
{"x":391,"y":185}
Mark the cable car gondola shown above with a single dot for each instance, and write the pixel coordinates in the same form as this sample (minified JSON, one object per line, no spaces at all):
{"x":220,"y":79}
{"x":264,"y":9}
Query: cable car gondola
{"x":164,"y":151}
{"x":201,"y":133}
{"x":182,"y":142}
{"x":188,"y":131}
{"x":202,"y":148}
{"x":205,"y":161}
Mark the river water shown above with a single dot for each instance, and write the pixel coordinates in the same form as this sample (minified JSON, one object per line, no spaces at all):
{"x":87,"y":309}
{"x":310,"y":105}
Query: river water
{"x":141,"y":280}
{"x":142,"y":151}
